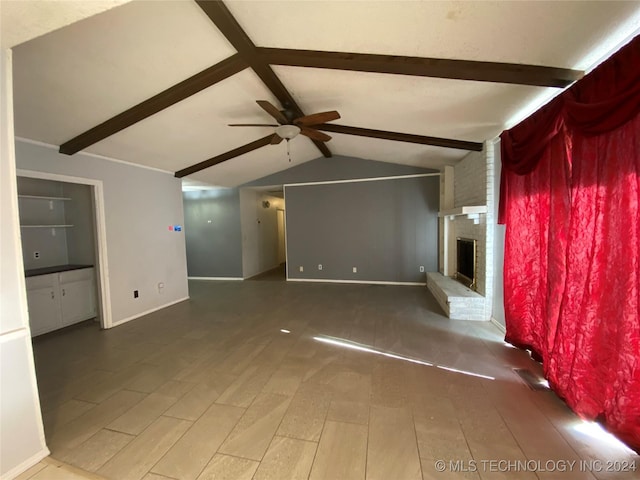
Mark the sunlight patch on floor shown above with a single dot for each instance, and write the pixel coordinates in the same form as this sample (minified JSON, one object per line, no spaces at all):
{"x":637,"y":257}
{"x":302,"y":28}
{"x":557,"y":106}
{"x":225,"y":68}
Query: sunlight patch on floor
{"x":594,"y":430}
{"x":365,"y":348}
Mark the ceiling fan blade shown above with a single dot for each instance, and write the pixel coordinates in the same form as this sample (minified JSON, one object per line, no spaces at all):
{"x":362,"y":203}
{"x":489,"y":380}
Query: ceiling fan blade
{"x":252,"y":125}
{"x":276,"y":139}
{"x":273,"y":111}
{"x":317,"y":118}
{"x":314,"y":134}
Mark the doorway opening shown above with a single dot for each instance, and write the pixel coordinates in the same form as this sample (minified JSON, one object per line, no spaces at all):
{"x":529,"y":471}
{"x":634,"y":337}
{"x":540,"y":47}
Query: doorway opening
{"x":64,"y":251}
{"x":263,"y":233}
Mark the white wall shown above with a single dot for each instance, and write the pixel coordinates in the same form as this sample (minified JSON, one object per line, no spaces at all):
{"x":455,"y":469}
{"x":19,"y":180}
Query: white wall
{"x":140,"y":204}
{"x":282,"y":245}
{"x":259,"y":232}
{"x":498,"y":244}
{"x":22,"y":441}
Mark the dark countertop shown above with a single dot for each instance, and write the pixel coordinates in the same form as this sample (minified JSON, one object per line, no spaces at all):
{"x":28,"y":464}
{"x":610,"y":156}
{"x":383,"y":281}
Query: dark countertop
{"x":57,"y":269}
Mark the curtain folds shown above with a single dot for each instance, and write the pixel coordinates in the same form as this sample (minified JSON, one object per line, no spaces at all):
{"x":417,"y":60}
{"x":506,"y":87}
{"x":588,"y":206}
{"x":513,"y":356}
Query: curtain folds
{"x":570,"y":195}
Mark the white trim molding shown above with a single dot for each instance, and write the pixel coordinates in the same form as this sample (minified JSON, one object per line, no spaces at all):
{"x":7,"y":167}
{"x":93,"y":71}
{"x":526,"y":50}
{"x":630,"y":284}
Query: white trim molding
{"x":27,"y":464}
{"x":95,"y":155}
{"x":360,"y":282}
{"x":147,"y":312}
{"x":224,"y":279}
{"x":104,"y":291}
{"x":472,"y":212}
{"x":359,"y":180}
{"x":499,"y":326}
{"x":466,"y":210}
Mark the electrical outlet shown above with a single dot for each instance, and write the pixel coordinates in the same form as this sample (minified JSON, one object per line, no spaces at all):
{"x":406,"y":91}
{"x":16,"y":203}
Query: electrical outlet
{"x":421,"y":268}
{"x":301,"y":268}
{"x":355,"y":269}
{"x":319,"y":266}
{"x":36,"y":255}
{"x":135,"y":294}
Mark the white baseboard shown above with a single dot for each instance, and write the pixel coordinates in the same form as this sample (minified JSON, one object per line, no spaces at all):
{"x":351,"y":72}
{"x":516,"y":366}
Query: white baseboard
{"x":261,"y":272}
{"x":360,"y":282}
{"x":26,"y":465}
{"x":147,"y":312}
{"x":498,"y":325}
{"x":215,"y":278}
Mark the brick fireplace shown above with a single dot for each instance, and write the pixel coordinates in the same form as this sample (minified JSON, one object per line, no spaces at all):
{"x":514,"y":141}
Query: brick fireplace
{"x":467,"y":206}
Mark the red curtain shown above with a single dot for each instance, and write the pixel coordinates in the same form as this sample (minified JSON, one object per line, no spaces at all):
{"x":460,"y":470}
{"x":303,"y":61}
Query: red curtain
{"x":570,"y":196}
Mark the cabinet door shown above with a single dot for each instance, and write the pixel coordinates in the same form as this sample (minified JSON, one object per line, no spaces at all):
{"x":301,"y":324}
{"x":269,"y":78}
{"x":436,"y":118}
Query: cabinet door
{"x":44,"y":310}
{"x":78,"y":301}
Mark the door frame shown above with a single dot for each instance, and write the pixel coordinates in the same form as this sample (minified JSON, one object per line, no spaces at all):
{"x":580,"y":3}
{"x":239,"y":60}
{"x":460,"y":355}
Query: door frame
{"x":280,"y":214}
{"x":100,"y":247}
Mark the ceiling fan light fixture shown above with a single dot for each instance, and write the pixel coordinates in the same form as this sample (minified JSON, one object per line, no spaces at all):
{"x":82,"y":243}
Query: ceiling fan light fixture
{"x":287,"y":131}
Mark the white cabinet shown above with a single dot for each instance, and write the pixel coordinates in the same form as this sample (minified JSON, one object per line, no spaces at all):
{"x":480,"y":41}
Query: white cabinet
{"x":43,"y":296}
{"x":77,"y":299}
{"x":60,"y":299}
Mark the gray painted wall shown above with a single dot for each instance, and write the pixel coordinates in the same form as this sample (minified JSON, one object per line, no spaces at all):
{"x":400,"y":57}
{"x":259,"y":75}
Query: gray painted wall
{"x":337,"y":168}
{"x":79,"y":212}
{"x":385,"y":228}
{"x":60,"y":246}
{"x":242,"y":241}
{"x":139,"y":205}
{"x":212,"y":232}
{"x":50,"y":243}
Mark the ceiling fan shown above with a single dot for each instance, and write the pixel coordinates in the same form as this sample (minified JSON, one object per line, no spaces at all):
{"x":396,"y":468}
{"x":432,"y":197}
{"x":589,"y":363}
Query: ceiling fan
{"x":289,"y":126}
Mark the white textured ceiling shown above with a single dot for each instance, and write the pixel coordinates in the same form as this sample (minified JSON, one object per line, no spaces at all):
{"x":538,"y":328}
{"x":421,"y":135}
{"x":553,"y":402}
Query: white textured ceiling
{"x":74,"y":78}
{"x":552,"y":33}
{"x":425,"y":106}
{"x":70,"y":80}
{"x":22,"y":20}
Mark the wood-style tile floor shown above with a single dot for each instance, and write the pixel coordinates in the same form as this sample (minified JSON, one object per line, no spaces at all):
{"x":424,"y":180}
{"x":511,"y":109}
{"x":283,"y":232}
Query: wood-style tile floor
{"x":273,"y":380}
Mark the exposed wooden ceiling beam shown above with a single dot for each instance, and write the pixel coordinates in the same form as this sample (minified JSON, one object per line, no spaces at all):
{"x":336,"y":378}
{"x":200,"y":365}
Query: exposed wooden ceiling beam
{"x":162,"y":100}
{"x":231,"y":29}
{"x":423,"y":67}
{"x":401,"y":137}
{"x":236,"y":152}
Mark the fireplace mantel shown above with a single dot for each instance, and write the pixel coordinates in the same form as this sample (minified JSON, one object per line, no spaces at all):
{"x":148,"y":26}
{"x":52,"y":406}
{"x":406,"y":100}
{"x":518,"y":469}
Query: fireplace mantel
{"x":448,"y":216}
{"x":466,"y":210}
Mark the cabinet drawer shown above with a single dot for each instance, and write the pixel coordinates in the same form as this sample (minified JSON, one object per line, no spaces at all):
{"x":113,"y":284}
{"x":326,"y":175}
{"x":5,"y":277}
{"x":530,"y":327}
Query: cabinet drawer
{"x":41,"y":281}
{"x":76,"y":275}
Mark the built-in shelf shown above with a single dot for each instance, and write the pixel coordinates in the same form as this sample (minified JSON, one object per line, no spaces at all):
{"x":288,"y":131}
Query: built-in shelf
{"x":40,"y":197}
{"x":46,"y":226}
{"x":468,"y":210}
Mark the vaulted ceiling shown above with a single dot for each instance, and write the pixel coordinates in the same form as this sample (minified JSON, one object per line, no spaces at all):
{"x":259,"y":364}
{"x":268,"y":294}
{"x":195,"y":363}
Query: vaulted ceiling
{"x":156,"y":83}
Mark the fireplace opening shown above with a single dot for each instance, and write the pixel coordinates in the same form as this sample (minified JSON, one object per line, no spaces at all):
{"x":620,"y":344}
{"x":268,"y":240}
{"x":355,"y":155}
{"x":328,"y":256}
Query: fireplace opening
{"x":466,"y":262}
